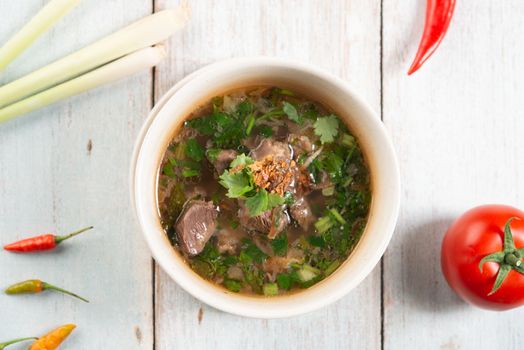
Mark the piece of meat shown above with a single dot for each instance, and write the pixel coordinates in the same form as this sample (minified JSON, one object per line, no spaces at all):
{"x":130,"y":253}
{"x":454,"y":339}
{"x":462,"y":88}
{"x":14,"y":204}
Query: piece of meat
{"x":270,"y":222}
{"x":301,"y":144}
{"x":224,"y":158}
{"x":279,"y":150}
{"x":195,"y":225}
{"x":300,"y":211}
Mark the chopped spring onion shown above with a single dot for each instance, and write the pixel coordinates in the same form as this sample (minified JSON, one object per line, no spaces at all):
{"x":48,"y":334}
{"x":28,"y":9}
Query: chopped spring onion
{"x":323,"y":224}
{"x":337,"y":216}
{"x":37,"y":26}
{"x":143,"y":33}
{"x":307,"y":273}
{"x":270,"y":289}
{"x":348,"y":140}
{"x":113,"y":71}
{"x":328,"y":191}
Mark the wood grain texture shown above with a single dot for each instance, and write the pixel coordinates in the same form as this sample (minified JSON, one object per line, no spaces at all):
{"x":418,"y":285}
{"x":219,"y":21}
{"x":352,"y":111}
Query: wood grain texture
{"x":457,"y":125}
{"x":65,"y":167}
{"x":342,"y":37}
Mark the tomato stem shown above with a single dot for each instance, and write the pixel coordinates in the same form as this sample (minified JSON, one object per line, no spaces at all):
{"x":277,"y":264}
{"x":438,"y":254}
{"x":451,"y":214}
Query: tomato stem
{"x":508,"y":259}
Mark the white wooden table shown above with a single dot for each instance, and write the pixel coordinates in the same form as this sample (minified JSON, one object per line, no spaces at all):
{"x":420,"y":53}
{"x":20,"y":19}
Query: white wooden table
{"x":458,"y":126}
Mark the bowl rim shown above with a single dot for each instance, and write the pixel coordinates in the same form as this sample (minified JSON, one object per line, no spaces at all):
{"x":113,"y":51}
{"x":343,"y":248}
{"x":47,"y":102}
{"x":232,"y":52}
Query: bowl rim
{"x":236,"y":303}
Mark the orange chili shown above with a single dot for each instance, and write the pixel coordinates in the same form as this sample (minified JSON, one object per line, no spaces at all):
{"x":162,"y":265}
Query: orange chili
{"x":438,"y":17}
{"x":53,"y":339}
{"x":43,"y":242}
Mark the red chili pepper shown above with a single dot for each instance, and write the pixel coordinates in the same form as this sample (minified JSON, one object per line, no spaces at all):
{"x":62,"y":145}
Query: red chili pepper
{"x":438,"y":17}
{"x":43,"y":242}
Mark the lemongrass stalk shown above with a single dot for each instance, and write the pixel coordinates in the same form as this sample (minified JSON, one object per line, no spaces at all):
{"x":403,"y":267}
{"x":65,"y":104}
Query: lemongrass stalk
{"x":38,"y":25}
{"x":146,"y":32}
{"x":123,"y":67}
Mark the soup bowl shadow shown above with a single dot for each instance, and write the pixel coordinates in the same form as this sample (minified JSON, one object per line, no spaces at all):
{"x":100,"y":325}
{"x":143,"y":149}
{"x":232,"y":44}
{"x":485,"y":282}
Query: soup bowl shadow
{"x":168,"y":116}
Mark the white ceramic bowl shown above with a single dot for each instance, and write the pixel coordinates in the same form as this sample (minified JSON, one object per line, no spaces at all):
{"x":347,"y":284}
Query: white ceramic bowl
{"x":198,"y":88}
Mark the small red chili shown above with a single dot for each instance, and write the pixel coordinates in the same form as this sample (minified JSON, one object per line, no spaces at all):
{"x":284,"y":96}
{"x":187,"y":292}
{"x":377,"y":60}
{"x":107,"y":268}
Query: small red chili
{"x":438,"y":17}
{"x":43,"y":242}
{"x":37,"y":286}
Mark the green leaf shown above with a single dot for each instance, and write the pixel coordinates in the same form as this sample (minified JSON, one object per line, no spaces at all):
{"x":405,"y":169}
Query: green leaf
{"x":501,"y":276}
{"x":291,"y":112}
{"x":258,"y":203}
{"x":274,"y":200}
{"x":284,"y":281}
{"x":194,"y":150}
{"x":190,"y":173}
{"x":326,"y":128}
{"x":316,"y":241}
{"x":237,"y":184}
{"x":212,"y":154}
{"x":168,"y":170}
{"x":265,"y":130}
{"x":280,"y":244}
{"x":241,"y":159}
{"x":252,"y":253}
{"x":204,"y":125}
{"x":233,"y":285}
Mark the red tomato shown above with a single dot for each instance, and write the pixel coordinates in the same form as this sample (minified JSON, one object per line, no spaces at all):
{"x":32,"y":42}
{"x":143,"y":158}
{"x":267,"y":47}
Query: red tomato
{"x":475,"y":235}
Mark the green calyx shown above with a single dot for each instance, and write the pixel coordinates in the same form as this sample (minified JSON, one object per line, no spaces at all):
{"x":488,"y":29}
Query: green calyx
{"x":3,"y":345}
{"x":508,"y":259}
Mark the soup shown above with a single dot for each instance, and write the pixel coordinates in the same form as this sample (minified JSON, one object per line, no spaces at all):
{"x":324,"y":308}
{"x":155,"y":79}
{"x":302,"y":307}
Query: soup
{"x":264,"y":191}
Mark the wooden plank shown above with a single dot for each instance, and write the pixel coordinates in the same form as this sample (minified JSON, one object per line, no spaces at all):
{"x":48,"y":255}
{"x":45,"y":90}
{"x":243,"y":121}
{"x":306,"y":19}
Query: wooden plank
{"x":65,"y":167}
{"x":457,"y":125}
{"x":342,"y":37}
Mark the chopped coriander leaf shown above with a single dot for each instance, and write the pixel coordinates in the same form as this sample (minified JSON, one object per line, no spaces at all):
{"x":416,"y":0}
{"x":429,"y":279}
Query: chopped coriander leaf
{"x":274,"y":200}
{"x":233,"y":285}
{"x":244,"y":108}
{"x":212,"y":154}
{"x":203,"y":125}
{"x":284,"y":281}
{"x":168,"y":170}
{"x":316,"y":241}
{"x":237,"y":184}
{"x":291,"y":112}
{"x":259,"y":203}
{"x":241,"y":159}
{"x":265,"y":130}
{"x":194,"y":150}
{"x":270,"y":289}
{"x":253,"y":252}
{"x":190,"y":173}
{"x":326,"y":128}
{"x":263,"y":201}
{"x":279,"y":244}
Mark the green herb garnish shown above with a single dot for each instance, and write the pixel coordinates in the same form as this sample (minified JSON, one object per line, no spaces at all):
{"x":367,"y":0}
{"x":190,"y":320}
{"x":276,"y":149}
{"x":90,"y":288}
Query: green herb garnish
{"x":326,"y":128}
